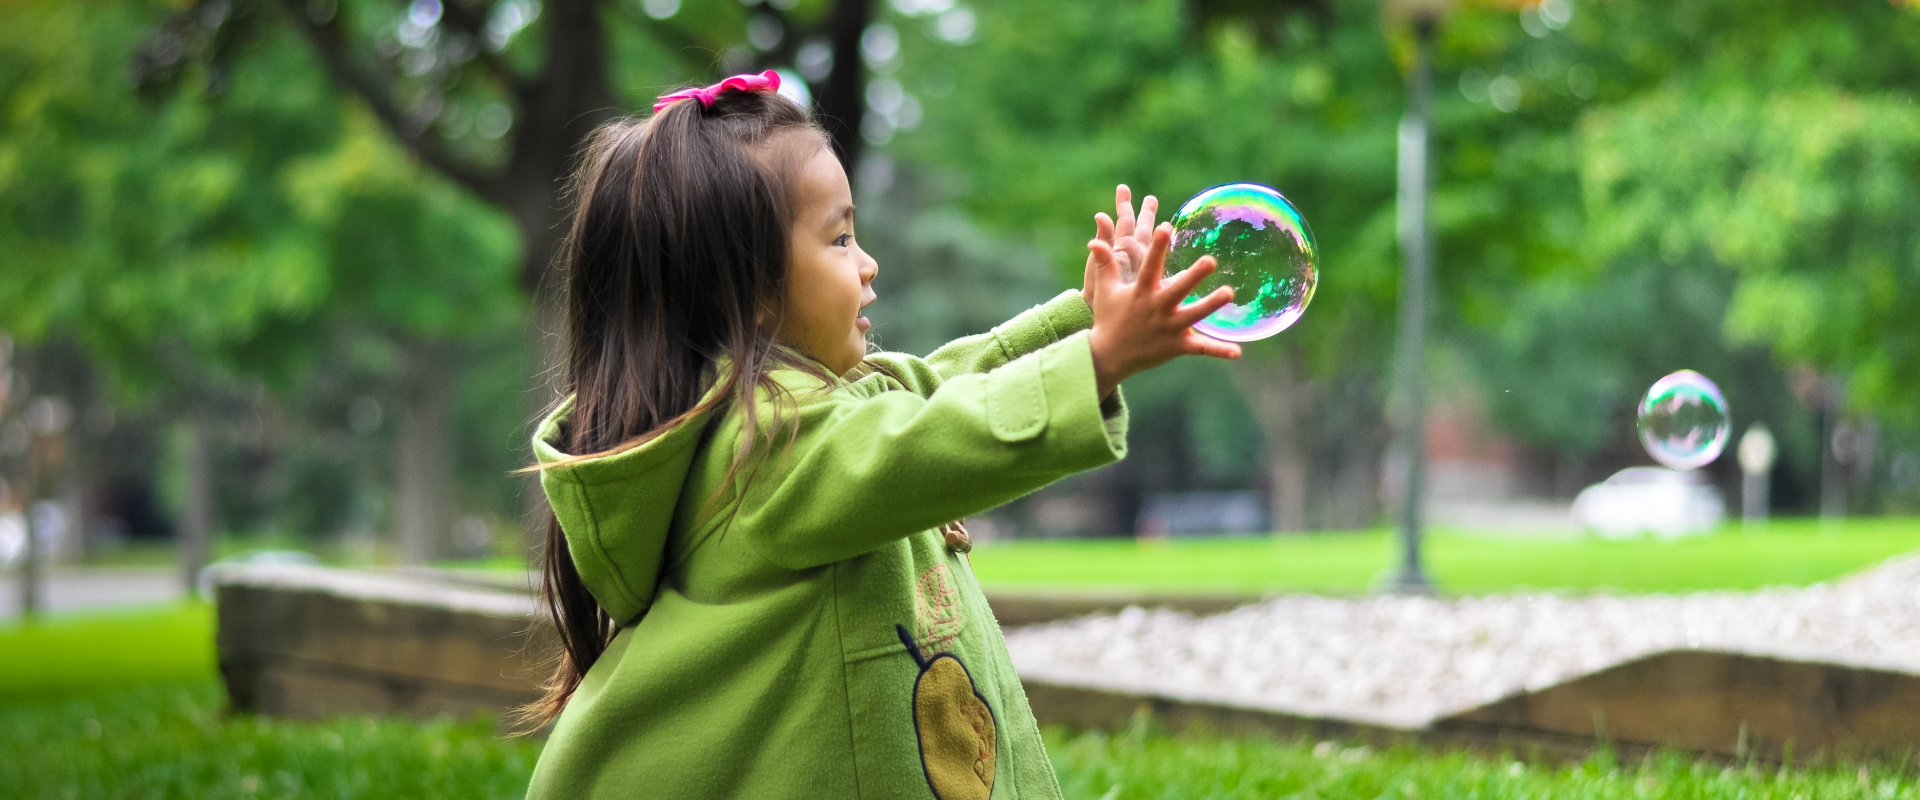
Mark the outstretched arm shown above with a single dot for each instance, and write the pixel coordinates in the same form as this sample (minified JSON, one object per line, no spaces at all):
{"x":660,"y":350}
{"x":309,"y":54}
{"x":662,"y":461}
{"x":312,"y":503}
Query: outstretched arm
{"x":1129,"y":237}
{"x":868,"y":468}
{"x":865,"y":469}
{"x":1031,"y":330}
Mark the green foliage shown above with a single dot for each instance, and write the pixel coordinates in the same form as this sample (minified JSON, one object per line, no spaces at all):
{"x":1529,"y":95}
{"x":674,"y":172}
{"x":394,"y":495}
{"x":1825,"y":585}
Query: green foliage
{"x":94,"y":651}
{"x":1811,"y":194}
{"x":1745,"y":177}
{"x":132,"y":221}
{"x":1789,"y":552}
{"x":1728,"y":191}
{"x":223,"y":221}
{"x":174,"y":740}
{"x":236,"y":225}
{"x":404,"y":249}
{"x":1059,"y":101}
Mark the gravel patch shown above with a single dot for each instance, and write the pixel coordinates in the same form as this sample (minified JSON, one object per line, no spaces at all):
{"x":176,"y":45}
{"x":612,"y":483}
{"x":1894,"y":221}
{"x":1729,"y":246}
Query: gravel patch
{"x":1405,"y":661}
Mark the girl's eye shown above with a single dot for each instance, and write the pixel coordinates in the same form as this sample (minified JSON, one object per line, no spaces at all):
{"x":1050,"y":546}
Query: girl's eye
{"x":843,"y":240}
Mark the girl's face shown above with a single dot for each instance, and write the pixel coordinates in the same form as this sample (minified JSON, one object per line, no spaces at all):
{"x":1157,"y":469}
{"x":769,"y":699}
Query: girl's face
{"x":829,"y":277}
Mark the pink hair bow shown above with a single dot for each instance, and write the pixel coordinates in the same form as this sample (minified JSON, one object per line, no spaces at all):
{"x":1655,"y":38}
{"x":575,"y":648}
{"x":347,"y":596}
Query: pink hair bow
{"x":768,"y":81}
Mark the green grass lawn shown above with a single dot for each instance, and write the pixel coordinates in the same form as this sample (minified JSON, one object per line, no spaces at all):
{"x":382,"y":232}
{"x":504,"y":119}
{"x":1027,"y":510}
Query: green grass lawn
{"x":172,"y":740}
{"x":126,"y":704}
{"x":1789,"y":552}
{"x":1136,"y":764}
{"x":82,"y":652}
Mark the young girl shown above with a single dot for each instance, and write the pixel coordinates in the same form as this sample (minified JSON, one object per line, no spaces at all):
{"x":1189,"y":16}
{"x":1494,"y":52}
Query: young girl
{"x":755,"y":565}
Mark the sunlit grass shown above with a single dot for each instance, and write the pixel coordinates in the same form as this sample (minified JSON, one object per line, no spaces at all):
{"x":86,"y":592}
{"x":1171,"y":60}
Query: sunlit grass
{"x":84,"y":651}
{"x":1136,"y":765}
{"x":175,"y":741}
{"x":1789,"y":553}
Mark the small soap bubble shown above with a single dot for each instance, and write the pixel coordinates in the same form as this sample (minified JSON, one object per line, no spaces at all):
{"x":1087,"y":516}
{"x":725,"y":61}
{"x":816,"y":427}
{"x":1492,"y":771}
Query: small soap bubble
{"x":1266,"y":253}
{"x":1683,"y":420}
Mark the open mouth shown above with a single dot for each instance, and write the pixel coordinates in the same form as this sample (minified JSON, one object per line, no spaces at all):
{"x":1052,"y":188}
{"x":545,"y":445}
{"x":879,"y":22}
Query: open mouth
{"x":862,"y":323}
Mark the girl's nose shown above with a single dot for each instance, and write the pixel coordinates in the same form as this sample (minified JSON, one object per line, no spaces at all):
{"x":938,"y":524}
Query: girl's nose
{"x":868,"y":267}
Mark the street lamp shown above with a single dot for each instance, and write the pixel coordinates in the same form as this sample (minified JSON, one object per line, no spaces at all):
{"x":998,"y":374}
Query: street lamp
{"x":1416,"y":245}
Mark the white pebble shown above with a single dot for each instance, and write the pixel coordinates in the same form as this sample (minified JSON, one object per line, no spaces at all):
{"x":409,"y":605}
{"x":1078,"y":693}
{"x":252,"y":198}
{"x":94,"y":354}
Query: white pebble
{"x":1414,"y":659}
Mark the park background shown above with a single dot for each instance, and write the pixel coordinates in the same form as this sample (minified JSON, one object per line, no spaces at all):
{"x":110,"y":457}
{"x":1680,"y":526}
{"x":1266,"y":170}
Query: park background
{"x":276,"y":278}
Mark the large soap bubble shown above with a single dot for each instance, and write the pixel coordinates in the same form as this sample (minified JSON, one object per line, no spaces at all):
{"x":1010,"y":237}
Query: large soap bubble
{"x":1266,"y":253}
{"x":1683,"y":420}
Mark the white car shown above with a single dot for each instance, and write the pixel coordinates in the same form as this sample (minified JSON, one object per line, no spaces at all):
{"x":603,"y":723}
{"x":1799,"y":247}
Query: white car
{"x":1641,"y":500}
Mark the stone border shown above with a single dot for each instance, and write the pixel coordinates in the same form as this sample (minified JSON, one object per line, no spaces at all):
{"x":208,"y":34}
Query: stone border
{"x":1732,"y":705}
{"x":310,"y":641}
{"x":1017,"y":607}
{"x":1721,"y":705}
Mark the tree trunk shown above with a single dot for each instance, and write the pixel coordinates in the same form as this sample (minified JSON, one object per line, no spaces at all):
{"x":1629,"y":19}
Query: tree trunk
{"x":1325,"y":441}
{"x":31,"y":561}
{"x":196,"y":520}
{"x":546,"y":326}
{"x":1350,"y":436}
{"x":76,"y":494}
{"x":423,"y":474}
{"x":843,"y":96}
{"x":1282,"y":401}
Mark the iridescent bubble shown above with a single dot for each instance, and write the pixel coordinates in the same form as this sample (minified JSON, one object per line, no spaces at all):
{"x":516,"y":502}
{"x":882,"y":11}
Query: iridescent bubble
{"x":1266,"y":253}
{"x":1683,"y":420}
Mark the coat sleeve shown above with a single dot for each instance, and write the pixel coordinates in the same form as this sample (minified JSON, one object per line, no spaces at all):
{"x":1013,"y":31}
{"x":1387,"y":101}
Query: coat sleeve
{"x":1031,"y":330}
{"x":861,"y":471}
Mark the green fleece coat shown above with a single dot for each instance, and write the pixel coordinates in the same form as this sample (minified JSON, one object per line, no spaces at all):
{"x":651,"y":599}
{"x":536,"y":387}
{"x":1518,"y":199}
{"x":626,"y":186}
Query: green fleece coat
{"x":807,"y":634}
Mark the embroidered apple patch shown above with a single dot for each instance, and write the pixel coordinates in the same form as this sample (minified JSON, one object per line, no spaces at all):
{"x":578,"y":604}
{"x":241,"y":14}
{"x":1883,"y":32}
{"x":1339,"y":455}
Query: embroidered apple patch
{"x":954,"y":725}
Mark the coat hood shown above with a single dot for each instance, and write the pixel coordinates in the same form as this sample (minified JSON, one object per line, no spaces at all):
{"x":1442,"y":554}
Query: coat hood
{"x":617,"y":510}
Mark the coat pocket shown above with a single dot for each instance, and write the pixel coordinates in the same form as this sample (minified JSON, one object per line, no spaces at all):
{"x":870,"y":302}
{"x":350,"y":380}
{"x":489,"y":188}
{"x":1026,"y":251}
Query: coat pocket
{"x":1016,"y":400}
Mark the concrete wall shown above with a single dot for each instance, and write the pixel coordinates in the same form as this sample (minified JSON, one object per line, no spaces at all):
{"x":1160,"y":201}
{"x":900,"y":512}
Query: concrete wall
{"x":1729,"y":704}
{"x":307,"y":642}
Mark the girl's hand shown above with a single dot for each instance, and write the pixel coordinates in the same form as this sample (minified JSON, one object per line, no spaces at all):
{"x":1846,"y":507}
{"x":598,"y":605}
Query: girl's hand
{"x":1128,"y":238}
{"x":1140,"y":325}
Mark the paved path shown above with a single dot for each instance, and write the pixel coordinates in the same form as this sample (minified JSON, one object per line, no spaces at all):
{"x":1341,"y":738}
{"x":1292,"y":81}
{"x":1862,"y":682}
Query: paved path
{"x":81,"y":588}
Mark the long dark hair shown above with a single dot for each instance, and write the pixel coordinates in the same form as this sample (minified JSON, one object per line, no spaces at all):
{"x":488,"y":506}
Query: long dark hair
{"x":677,"y":256}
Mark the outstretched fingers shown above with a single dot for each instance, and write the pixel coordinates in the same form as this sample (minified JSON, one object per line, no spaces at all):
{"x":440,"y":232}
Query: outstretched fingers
{"x":1183,"y":282}
{"x":1148,"y":208}
{"x":1156,"y":267}
{"x":1200,"y":344}
{"x":1199,"y":309}
{"x":1123,"y":209}
{"x":1103,"y":227}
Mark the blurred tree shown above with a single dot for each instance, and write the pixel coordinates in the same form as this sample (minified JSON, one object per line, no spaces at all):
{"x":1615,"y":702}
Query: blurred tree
{"x":129,"y":233}
{"x":1735,"y":165}
{"x":1581,"y":139}
{"x":1060,"y":100}
{"x":490,"y":97}
{"x":497,"y":95}
{"x":1810,"y":194}
{"x":206,"y":236}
